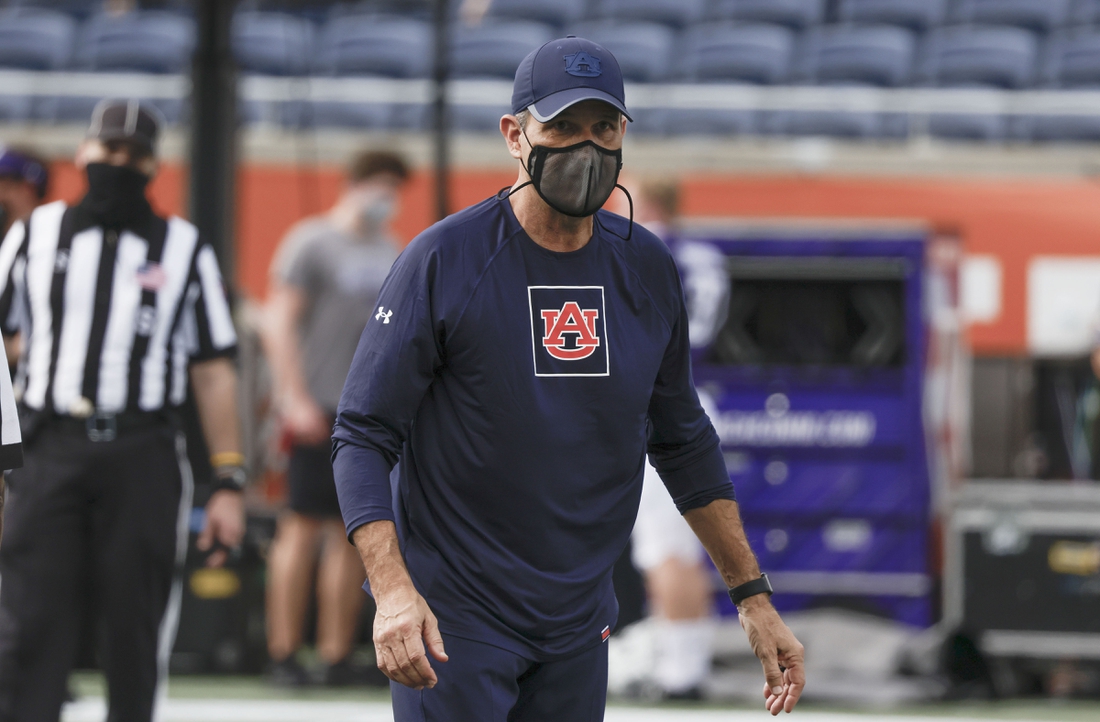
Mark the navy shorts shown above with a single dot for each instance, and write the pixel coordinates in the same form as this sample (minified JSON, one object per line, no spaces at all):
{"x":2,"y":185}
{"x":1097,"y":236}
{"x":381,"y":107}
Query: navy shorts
{"x":482,"y":683}
{"x":310,"y":484}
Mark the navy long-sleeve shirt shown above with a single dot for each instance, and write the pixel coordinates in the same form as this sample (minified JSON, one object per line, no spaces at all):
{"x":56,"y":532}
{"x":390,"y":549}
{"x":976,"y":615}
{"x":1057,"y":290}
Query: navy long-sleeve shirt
{"x":520,"y":389}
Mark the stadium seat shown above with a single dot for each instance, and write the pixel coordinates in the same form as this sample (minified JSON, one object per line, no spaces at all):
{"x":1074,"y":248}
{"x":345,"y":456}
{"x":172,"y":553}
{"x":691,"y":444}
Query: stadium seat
{"x":670,"y":12}
{"x":35,"y":39}
{"x":361,"y":45}
{"x":833,"y":124}
{"x":1073,"y":59}
{"x":272,"y":43}
{"x":558,"y":13}
{"x":1084,"y":12}
{"x":987,"y":128}
{"x":879,"y":55}
{"x":495,"y":49}
{"x":644,"y":50}
{"x":734,"y":52}
{"x":414,"y":9}
{"x":792,"y":13}
{"x":79,"y":9}
{"x":1003,"y":57}
{"x":710,"y":121}
{"x":143,"y":40}
{"x":1038,"y":15}
{"x":1066,"y":128}
{"x":917,"y":15}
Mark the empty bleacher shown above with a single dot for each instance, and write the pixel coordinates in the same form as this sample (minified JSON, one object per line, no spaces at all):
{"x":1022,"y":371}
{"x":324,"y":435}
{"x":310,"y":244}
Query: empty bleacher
{"x":984,"y":52}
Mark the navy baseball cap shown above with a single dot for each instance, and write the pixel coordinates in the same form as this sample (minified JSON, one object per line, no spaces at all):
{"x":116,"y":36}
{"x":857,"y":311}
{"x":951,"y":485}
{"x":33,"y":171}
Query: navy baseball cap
{"x":563,"y":73}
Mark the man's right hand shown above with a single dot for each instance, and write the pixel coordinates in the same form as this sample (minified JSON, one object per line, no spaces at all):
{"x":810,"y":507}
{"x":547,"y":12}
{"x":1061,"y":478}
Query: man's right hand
{"x":307,"y":423}
{"x":403,"y":625}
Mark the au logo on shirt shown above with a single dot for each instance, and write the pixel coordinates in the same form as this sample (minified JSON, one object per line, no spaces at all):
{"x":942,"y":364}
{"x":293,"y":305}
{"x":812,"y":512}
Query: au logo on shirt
{"x":568,"y":330}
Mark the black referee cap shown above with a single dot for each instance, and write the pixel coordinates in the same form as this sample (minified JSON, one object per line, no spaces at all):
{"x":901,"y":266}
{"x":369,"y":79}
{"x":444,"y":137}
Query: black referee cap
{"x":129,"y":120}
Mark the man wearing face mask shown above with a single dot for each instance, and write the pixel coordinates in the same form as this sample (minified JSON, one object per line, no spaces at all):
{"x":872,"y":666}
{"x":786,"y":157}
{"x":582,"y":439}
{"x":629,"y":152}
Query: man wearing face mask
{"x":525,"y":355}
{"x":119,"y":309}
{"x":325,"y":279}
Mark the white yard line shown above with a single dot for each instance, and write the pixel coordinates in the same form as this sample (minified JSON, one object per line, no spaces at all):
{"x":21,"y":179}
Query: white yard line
{"x":182,"y":710}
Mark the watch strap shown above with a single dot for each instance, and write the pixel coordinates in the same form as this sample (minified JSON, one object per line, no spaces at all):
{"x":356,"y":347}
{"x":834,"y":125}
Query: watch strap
{"x":742,"y":592}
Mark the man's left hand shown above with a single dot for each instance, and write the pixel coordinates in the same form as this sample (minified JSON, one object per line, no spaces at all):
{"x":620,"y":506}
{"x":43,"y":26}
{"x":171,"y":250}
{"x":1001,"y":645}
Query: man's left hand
{"x":224,"y":525}
{"x":775,"y":646}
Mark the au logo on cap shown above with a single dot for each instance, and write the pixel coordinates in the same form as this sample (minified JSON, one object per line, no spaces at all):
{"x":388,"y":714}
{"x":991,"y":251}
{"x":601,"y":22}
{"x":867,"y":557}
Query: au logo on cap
{"x":582,"y":65}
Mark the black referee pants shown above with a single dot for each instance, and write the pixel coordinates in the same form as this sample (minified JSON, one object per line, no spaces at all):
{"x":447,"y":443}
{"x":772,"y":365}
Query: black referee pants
{"x":115,"y":512}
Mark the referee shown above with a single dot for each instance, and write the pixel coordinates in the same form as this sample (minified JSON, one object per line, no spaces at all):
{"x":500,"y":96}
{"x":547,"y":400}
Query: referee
{"x":117,"y":306}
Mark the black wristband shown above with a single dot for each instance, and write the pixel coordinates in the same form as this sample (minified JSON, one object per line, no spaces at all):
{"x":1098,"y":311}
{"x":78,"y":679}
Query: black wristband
{"x":230,"y":477}
{"x":742,"y":592}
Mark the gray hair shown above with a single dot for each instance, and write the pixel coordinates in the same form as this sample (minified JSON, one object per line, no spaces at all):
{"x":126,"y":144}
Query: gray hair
{"x":523,"y":117}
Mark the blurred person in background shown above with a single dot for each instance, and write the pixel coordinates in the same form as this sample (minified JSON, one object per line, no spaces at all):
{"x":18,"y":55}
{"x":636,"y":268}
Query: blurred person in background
{"x":325,"y":279}
{"x":664,"y":548}
{"x":24,"y":182}
{"x":119,"y":308}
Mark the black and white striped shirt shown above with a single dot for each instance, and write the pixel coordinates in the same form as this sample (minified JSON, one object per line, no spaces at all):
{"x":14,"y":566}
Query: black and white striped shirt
{"x":11,"y":440}
{"x":110,"y":319}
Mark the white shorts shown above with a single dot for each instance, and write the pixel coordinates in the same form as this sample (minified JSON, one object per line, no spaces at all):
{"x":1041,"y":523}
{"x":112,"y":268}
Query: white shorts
{"x":660,"y":533}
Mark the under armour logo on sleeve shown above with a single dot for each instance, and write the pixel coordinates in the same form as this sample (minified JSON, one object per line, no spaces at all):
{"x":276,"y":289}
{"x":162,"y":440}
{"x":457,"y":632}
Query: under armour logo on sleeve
{"x":383,"y":315}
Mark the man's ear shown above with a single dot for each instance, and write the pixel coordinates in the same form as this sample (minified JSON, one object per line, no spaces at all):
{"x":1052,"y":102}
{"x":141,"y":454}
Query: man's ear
{"x":80,"y":159}
{"x":510,"y":129}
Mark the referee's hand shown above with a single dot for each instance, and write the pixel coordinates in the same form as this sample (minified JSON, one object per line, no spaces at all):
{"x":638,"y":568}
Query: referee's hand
{"x":224,"y":525}
{"x":779,"y":653}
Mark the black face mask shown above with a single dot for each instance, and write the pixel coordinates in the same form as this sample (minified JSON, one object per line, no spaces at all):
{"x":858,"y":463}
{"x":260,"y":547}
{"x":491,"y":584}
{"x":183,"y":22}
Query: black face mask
{"x":116,"y":194}
{"x":576,"y":180}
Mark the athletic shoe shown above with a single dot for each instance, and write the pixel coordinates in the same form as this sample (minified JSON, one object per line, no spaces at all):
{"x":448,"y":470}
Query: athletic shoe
{"x":287,"y":673}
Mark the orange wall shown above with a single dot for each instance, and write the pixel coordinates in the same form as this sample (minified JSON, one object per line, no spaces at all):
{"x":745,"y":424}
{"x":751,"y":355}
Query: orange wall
{"x":1012,"y":219}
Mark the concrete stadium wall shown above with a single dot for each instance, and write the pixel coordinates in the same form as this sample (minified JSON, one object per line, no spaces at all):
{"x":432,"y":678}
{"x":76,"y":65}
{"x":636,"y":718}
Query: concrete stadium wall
{"x":1013,"y":220}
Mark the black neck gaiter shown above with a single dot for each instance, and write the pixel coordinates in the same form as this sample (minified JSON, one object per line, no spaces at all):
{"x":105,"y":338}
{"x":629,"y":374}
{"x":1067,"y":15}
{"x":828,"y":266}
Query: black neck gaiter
{"x":116,"y":194}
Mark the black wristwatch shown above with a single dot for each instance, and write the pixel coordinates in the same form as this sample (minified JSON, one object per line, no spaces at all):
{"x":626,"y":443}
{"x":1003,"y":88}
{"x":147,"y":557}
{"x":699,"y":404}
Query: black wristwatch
{"x":742,"y":592}
{"x":231,"y":477}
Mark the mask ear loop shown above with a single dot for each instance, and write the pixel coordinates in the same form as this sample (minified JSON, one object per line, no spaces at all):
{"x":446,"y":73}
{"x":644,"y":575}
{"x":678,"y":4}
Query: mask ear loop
{"x":630,"y":228}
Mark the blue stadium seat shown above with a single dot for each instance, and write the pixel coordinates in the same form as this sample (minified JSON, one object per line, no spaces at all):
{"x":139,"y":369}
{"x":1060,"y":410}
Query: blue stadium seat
{"x":415,"y":9}
{"x":558,"y":13}
{"x":1073,"y":59}
{"x":734,"y":52}
{"x":491,"y":50}
{"x":495,"y":49}
{"x":1084,"y":12}
{"x":879,"y":55}
{"x":855,"y":125}
{"x":1001,"y":57}
{"x":792,"y":13}
{"x":35,"y":39}
{"x":644,"y":50}
{"x":914,"y":14}
{"x":1039,"y":15}
{"x":710,"y":121}
{"x":79,"y":9}
{"x":362,"y":45}
{"x":670,"y":12}
{"x":1066,"y":128}
{"x":272,"y":43}
{"x":988,"y":128}
{"x":143,"y":40}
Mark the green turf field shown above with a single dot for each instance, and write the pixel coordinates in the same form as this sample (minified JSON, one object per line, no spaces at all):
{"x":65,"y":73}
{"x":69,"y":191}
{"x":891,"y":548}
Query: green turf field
{"x":249,"y":699}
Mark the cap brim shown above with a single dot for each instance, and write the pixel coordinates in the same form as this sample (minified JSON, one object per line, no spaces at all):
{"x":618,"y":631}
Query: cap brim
{"x":545,"y":109}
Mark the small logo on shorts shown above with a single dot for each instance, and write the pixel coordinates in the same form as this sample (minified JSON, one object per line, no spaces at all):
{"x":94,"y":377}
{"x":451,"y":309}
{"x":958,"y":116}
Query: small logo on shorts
{"x":605,"y":634}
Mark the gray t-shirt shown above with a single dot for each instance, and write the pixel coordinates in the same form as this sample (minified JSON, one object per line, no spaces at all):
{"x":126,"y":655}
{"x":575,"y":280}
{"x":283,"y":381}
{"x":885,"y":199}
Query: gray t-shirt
{"x":340,"y":276}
